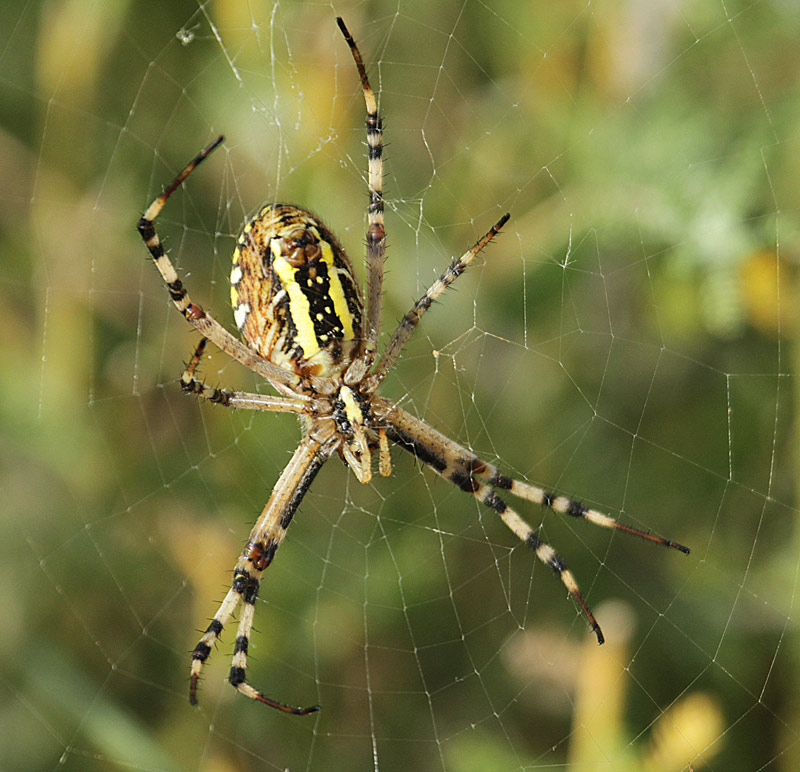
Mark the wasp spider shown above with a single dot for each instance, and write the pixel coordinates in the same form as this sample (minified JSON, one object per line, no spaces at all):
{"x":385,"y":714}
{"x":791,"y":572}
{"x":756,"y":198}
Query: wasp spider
{"x":300,"y":310}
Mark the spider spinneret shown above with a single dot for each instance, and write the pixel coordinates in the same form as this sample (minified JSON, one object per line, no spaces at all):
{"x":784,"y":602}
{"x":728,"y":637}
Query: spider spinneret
{"x":299,"y":308}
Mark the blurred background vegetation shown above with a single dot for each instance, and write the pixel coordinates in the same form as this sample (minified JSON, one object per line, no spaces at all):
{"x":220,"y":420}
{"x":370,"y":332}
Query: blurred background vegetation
{"x":629,"y":340}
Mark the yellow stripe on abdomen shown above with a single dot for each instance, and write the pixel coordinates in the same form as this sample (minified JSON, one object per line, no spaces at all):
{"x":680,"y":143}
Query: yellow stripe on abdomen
{"x":299,"y":306}
{"x":337,"y":295}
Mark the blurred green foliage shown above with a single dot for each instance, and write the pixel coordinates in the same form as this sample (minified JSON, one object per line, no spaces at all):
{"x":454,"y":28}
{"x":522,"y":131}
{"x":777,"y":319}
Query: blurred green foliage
{"x":628,"y":340}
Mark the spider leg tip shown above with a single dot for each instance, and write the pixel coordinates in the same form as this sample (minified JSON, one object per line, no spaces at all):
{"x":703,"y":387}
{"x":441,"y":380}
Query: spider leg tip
{"x":211,"y":148}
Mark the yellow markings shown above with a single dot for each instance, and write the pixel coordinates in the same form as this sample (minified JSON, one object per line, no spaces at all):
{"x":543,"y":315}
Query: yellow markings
{"x":337,"y":292}
{"x":356,"y":449}
{"x":292,"y":292}
{"x":351,"y":408}
{"x":299,"y":305}
{"x":298,"y":302}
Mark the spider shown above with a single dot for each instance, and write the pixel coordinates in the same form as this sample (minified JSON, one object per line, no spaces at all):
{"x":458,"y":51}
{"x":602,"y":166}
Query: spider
{"x":308,"y":332}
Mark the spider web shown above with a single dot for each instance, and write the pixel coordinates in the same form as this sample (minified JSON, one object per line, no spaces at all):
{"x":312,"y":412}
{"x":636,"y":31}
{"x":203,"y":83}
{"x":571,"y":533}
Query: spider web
{"x":622,"y":342}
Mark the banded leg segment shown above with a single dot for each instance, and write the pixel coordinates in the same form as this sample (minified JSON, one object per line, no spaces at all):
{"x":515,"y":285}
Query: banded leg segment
{"x":202,"y":650}
{"x":376,"y":234}
{"x":440,"y":459}
{"x":238,"y":399}
{"x":564,"y":506}
{"x":527,"y":534}
{"x":463,"y":468}
{"x":473,"y":466}
{"x":262,"y":544}
{"x":410,"y":321}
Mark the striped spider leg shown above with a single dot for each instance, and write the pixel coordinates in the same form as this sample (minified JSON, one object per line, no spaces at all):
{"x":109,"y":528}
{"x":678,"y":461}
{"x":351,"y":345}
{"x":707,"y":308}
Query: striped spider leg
{"x":259,"y":551}
{"x":469,"y":473}
{"x":267,"y":533}
{"x":237,"y":399}
{"x":376,"y":235}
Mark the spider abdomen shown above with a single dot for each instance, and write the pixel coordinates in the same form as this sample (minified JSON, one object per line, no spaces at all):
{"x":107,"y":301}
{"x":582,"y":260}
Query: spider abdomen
{"x":294,"y":297}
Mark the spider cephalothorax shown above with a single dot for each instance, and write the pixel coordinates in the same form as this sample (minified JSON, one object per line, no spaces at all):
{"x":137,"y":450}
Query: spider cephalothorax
{"x":300,"y":311}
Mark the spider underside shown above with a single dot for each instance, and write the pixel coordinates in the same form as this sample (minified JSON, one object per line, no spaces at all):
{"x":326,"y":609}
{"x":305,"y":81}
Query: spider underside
{"x":308,"y":331}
